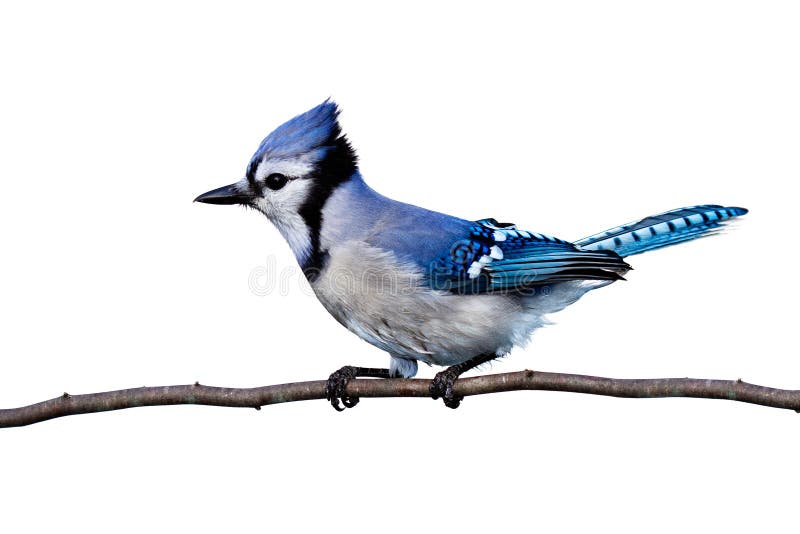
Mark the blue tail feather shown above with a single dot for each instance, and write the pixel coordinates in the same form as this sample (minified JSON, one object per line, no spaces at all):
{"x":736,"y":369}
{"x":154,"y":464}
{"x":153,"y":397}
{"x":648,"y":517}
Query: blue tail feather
{"x":662,"y":230}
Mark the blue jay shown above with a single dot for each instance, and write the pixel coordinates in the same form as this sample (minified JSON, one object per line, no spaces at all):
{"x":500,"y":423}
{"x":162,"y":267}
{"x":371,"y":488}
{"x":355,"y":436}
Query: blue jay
{"x":421,"y":285}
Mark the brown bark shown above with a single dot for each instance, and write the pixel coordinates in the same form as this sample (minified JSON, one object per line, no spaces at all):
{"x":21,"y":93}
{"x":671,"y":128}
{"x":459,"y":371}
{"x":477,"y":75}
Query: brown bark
{"x":66,"y":404}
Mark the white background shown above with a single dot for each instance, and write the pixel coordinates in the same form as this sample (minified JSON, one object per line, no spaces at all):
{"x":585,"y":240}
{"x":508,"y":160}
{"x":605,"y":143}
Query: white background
{"x":565,"y":117}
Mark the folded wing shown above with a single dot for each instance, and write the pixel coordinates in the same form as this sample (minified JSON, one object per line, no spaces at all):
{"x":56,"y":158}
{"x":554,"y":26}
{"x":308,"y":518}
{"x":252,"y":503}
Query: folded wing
{"x":497,"y":257}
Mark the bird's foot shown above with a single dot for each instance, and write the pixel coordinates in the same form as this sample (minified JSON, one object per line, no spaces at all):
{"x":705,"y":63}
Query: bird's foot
{"x":335,"y":389}
{"x":443,"y":382}
{"x":442,"y":386}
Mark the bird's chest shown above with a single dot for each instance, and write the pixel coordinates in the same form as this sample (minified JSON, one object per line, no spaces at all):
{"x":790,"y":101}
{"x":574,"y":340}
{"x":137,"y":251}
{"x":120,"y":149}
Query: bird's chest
{"x":365,"y":287}
{"x":385,"y":301}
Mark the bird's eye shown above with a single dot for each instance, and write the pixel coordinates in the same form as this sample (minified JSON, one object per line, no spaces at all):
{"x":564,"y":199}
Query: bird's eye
{"x":275,"y":181}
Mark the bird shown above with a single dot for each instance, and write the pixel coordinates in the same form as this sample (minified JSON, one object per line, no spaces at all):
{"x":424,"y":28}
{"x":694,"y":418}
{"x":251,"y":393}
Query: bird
{"x":421,"y":285}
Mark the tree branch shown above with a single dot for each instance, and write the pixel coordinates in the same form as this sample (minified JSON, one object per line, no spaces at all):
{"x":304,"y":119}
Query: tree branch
{"x":66,"y":404}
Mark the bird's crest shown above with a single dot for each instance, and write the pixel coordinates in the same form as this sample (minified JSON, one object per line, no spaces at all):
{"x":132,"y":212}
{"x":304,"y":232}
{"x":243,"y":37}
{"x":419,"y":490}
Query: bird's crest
{"x":310,"y":135}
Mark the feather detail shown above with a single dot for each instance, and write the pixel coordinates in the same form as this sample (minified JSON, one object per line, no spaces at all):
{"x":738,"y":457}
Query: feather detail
{"x":501,"y":257}
{"x":662,"y":230}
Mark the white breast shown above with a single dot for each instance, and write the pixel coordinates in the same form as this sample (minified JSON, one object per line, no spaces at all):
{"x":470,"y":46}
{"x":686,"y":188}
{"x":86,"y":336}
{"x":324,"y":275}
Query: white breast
{"x":382,"y":299}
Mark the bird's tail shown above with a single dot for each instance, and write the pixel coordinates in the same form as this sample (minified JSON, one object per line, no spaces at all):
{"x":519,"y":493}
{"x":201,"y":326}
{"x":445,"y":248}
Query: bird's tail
{"x":663,"y":230}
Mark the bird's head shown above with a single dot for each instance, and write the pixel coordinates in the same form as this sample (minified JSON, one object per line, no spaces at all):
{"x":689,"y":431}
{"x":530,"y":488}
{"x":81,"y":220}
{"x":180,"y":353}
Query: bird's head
{"x":292,"y":174}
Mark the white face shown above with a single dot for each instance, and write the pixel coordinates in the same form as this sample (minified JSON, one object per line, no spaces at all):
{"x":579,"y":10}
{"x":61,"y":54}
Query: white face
{"x":284,"y":186}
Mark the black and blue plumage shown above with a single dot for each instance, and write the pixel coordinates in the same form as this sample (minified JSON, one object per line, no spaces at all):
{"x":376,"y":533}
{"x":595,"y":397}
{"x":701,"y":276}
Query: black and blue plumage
{"x":422,"y":285}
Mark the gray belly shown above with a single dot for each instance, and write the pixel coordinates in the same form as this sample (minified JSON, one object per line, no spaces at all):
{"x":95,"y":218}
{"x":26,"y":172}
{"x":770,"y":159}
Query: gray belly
{"x":384,"y":301}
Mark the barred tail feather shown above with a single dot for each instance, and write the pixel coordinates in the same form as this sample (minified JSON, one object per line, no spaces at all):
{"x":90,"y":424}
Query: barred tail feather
{"x":662,"y":230}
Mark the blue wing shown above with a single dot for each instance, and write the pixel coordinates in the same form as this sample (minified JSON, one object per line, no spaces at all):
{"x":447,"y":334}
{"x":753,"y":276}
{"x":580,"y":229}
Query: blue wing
{"x":498,"y":257}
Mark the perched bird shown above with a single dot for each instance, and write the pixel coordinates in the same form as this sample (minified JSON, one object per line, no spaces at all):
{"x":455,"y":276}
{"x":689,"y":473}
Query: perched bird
{"x":422,"y":285}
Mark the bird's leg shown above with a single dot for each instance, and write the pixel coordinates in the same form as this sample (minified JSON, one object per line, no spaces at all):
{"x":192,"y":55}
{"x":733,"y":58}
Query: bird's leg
{"x":442,"y":384}
{"x":337,"y":384}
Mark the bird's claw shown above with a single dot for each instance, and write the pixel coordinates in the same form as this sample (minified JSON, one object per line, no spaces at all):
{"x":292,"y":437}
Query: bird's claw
{"x":335,"y":389}
{"x":442,"y":386}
